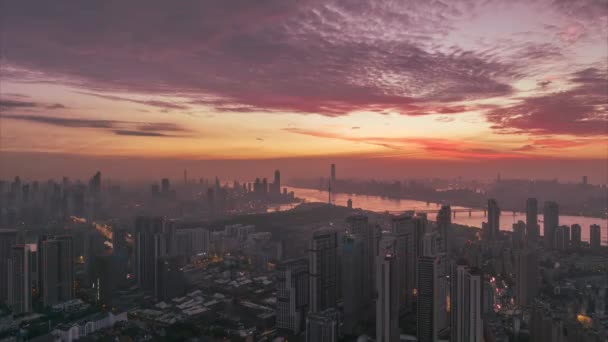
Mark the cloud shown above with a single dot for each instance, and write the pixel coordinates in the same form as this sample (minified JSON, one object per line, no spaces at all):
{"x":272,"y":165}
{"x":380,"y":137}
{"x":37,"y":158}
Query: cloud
{"x":64,"y":122}
{"x":431,"y":147}
{"x":19,"y":104}
{"x":325,"y":57}
{"x":544,"y":83}
{"x":581,"y":110}
{"x":165,"y":105}
{"x":159,"y":129}
{"x":445,"y":119}
{"x":140,"y":133}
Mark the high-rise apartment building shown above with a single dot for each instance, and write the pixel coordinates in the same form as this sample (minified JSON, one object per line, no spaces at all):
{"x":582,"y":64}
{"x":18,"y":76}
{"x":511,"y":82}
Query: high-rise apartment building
{"x":353,"y":280}
{"x":466,"y":304}
{"x":292,"y":295}
{"x":8,"y":238}
{"x":595,"y":235}
{"x":387,"y":289}
{"x":532,"y":228}
{"x":57,"y":256}
{"x":526,"y":272}
{"x":323,"y":270}
{"x":550,"y":223}
{"x":19,"y":283}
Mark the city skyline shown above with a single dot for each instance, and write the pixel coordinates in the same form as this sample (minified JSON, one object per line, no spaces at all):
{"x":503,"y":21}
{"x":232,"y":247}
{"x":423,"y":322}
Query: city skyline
{"x":475,"y":85}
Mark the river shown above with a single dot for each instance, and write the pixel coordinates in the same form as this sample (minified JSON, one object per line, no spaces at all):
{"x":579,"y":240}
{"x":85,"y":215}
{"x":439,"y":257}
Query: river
{"x":382,"y":204}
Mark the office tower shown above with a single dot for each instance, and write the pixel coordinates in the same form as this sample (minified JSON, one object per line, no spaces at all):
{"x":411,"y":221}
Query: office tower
{"x":185,"y":177}
{"x":466,"y":308}
{"x":526,"y":270}
{"x":518,"y":237}
{"x":562,"y":237}
{"x":292,"y":295}
{"x":358,"y":225}
{"x":428,"y":299}
{"x":323,"y":326}
{"x":585,"y":180}
{"x":170,"y":279}
{"x":19,"y":283}
{"x":550,"y":223}
{"x":444,"y":226}
{"x":323,"y":268}
{"x":333,"y":173}
{"x":154,"y":238}
{"x":595,"y":235}
{"x":387,"y":289}
{"x":8,"y":238}
{"x":165,"y":186}
{"x":349,"y":203}
{"x":532,"y":228}
{"x":352,"y":281}
{"x":58,"y":265}
{"x":491,"y":229}
{"x":576,"y":236}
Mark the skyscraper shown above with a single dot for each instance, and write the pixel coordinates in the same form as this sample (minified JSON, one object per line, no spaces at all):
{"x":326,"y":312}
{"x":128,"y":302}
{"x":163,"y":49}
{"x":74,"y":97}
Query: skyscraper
{"x":165,"y":186}
{"x":526,"y":270}
{"x":550,"y":223}
{"x":444,"y":226}
{"x":292,"y":295}
{"x":19,"y":284}
{"x":333,"y":173}
{"x":170,"y":281}
{"x":359,"y":226}
{"x":432,"y":247}
{"x":595,"y":235}
{"x":518,"y":237}
{"x":387,"y":288}
{"x":323,"y":270}
{"x":562,"y":237}
{"x":8,"y":238}
{"x":428,"y":299}
{"x":154,"y":238}
{"x":58,"y":265}
{"x":95,"y":183}
{"x":406,"y":252}
{"x":466,"y":308}
{"x":106,"y":278}
{"x":352,"y":281}
{"x":532,"y":229}
{"x":575,"y":230}
{"x":277,"y":183}
{"x":491,"y":229}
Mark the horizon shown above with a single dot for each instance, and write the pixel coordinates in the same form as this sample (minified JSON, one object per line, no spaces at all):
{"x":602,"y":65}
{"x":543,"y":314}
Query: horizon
{"x":124,"y":168}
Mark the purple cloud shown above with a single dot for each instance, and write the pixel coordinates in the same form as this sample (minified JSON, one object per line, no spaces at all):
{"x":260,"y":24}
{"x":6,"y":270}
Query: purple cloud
{"x":329,"y":58}
{"x":157,"y":129}
{"x":580,"y":110}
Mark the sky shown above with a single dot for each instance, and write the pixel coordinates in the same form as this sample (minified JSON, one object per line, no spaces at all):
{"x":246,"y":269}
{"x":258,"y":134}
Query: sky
{"x":388,"y":87}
